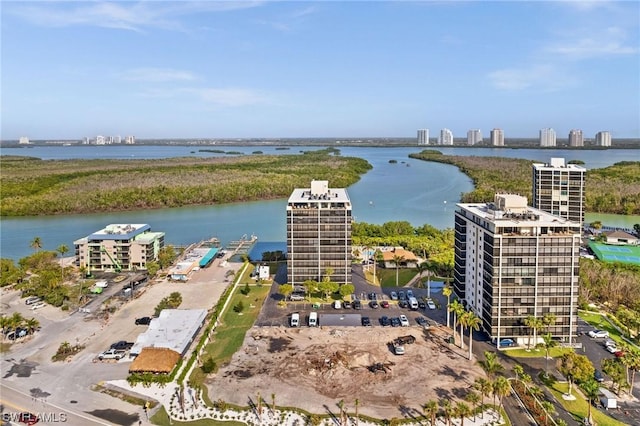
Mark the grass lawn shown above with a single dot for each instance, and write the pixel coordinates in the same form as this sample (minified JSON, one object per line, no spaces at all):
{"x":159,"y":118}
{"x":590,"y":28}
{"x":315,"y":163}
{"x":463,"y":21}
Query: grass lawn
{"x":579,"y":407}
{"x":387,"y":277}
{"x":162,"y":418}
{"x":229,"y":335}
{"x":536,"y":353}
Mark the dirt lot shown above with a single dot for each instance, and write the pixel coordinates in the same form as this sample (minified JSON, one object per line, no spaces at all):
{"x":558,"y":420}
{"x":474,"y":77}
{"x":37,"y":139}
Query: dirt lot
{"x":314,"y":368}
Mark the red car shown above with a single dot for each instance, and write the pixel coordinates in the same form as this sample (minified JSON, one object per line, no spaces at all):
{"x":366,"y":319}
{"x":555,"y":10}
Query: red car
{"x":619,"y":354}
{"x":29,"y":418}
{"x":384,"y":304}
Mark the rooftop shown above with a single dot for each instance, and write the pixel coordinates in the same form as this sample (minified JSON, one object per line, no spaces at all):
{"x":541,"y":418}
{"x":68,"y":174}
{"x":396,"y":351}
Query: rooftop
{"x":173,"y":329}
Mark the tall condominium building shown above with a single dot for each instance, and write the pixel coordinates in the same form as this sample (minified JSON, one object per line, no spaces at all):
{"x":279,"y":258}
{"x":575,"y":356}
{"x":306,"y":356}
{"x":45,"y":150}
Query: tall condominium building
{"x":576,"y":138}
{"x":130,"y":140}
{"x":446,"y":137}
{"x":513,"y":261}
{"x":603,"y":139}
{"x":474,"y":136}
{"x":24,"y":140}
{"x":423,"y":137}
{"x":119,"y":248}
{"x":547,"y":137}
{"x":559,"y":189}
{"x":497,"y":137}
{"x":319,"y":234}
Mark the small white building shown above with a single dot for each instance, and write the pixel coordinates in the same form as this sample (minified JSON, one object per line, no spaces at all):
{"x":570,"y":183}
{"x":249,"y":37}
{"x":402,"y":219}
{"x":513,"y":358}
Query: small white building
{"x":174,"y":329}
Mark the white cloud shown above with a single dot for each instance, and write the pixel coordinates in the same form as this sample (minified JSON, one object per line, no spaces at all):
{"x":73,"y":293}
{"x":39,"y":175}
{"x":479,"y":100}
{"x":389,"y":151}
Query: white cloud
{"x":133,"y":16}
{"x":156,"y":75}
{"x":539,"y":77}
{"x":229,"y":97}
{"x":609,"y":42}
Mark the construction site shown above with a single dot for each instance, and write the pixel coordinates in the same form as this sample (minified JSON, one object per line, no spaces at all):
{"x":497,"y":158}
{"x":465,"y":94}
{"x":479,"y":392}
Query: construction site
{"x":315,"y":368}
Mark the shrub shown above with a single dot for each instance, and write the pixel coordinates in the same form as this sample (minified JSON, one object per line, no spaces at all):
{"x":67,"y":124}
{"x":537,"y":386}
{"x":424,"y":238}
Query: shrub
{"x":239,"y":307}
{"x":209,"y":366}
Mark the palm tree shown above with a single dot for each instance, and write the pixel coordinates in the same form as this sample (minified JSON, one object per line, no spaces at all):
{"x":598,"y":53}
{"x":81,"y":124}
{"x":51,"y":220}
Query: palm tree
{"x":491,"y":364}
{"x":463,"y":411}
{"x":341,"y":407}
{"x":518,"y":371}
{"x":447,"y":409}
{"x":457,"y":309}
{"x":397,"y":260}
{"x":591,"y":389}
{"x":473,"y":398}
{"x":273,"y":402}
{"x":62,"y":249}
{"x":485,"y":388}
{"x":548,"y":320}
{"x":446,"y":291}
{"x":421,"y":267}
{"x":31,"y":325}
{"x":501,"y":387}
{"x":462,"y":320}
{"x":550,"y":410}
{"x":431,"y":410}
{"x":473,"y":323}
{"x":36,"y":244}
{"x":357,"y":404}
{"x":547,"y":344}
{"x":327,"y":274}
{"x":528,"y":322}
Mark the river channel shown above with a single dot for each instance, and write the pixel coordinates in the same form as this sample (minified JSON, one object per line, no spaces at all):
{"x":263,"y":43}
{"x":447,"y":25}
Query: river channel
{"x":416,"y":191}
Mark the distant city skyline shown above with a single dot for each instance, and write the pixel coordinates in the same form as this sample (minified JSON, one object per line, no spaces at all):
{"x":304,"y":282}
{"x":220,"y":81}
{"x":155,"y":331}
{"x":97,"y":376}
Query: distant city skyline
{"x":318,"y":69}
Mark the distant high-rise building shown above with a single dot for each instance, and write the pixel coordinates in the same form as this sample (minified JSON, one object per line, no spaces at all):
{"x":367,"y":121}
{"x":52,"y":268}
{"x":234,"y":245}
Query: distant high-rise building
{"x":576,"y":138}
{"x":547,"y":137}
{"x":497,"y":137}
{"x":603,"y":138}
{"x":117,"y":139}
{"x":130,"y":140}
{"x":423,"y":137}
{"x":24,"y":140}
{"x":446,"y":137}
{"x":474,"y":136}
{"x":559,"y":189}
{"x":511,"y":262}
{"x":100,"y":140}
{"x":319,"y":234}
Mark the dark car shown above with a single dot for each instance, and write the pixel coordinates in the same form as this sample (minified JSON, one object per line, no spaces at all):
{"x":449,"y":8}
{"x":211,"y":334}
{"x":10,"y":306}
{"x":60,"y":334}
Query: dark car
{"x":401,"y":295}
{"x":357,"y":304}
{"x":373,"y":296}
{"x":143,"y":321}
{"x":366,"y":322}
{"x":384,"y":304}
{"x":421,"y":321}
{"x":384,"y":321}
{"x":507,"y":343}
{"x":346,"y":304}
{"x":403,"y":304}
{"x":409,"y":293}
{"x":28,"y":418}
{"x":422,"y":305}
{"x":122,"y":345}
{"x":374,"y":304}
{"x":395,"y":322}
{"x":597,"y":375}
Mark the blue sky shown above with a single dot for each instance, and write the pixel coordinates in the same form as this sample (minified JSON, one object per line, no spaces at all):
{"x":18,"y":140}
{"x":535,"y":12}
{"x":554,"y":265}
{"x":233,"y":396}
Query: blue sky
{"x":210,"y":69}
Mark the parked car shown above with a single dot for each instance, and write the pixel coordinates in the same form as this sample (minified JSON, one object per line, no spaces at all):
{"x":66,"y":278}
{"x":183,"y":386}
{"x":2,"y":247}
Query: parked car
{"x":430,"y":304}
{"x":394,"y":295}
{"x":143,"y":321}
{"x":404,"y":321}
{"x":366,"y":321}
{"x":597,"y":375}
{"x":112,"y":353}
{"x":357,"y":304}
{"x":337,"y":304}
{"x":409,"y":293}
{"x":421,"y":321}
{"x":398,"y":350}
{"x":384,"y":304}
{"x":38,"y":306}
{"x":402,"y":295}
{"x":422,"y":305}
{"x":612,"y":349}
{"x":596,"y":334}
{"x":395,"y":322}
{"x":403,"y":304}
{"x":32,"y":300}
{"x":384,"y":321}
{"x":619,"y":354}
{"x":346,"y":304}
{"x":507,"y":343}
{"x":121,"y":345}
{"x":374,"y":304}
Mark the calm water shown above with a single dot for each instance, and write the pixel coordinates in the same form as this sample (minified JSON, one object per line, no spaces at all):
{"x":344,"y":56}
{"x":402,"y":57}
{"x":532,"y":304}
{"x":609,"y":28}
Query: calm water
{"x":412,"y":190}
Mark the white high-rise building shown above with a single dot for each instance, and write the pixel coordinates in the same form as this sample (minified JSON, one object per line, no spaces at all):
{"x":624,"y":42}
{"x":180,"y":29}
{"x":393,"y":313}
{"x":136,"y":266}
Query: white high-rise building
{"x":547,"y":137}
{"x":497,"y":137}
{"x":603,"y":138}
{"x":446,"y":137}
{"x":474,"y":136}
{"x":423,"y":137}
{"x":130,"y":140}
{"x":24,"y":140}
{"x":513,"y":261}
{"x":100,"y":140}
{"x":576,"y":138}
{"x":559,"y":189}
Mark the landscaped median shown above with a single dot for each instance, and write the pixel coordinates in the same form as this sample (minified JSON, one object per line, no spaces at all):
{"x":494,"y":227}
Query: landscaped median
{"x":579,"y":406}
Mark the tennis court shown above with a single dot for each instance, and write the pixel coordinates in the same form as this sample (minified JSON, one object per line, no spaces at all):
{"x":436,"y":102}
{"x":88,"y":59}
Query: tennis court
{"x":614,"y":253}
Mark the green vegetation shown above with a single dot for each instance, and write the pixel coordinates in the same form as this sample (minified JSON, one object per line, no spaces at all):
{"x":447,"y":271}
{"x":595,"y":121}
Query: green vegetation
{"x":613,"y":189}
{"x":536,"y":352}
{"x":579,"y":407}
{"x":38,"y":187}
{"x":66,"y":350}
{"x":161,"y":418}
{"x":170,"y":302}
{"x":387,"y":277}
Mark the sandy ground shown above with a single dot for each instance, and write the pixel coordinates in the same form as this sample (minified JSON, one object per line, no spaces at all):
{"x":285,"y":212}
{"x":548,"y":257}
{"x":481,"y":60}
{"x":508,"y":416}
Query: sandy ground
{"x":315,"y":368}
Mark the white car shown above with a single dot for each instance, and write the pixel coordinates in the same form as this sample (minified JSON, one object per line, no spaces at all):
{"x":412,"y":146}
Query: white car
{"x":598,"y":334}
{"x":430,"y":304}
{"x":612,"y":349}
{"x":399,"y":350}
{"x":38,"y":306}
{"x":404,"y":321}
